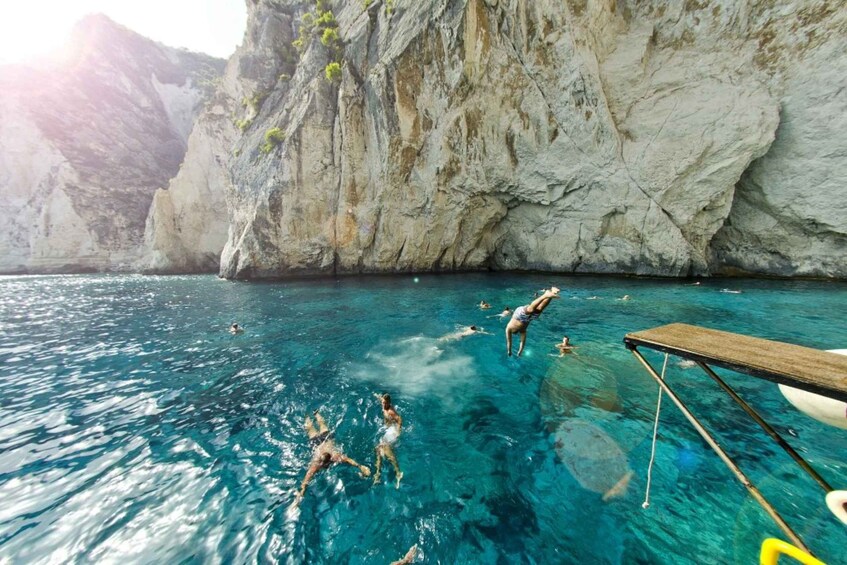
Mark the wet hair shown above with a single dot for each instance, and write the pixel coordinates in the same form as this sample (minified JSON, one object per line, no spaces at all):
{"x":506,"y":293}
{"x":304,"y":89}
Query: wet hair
{"x":234,"y":325}
{"x":326,"y":459}
{"x":473,"y":328}
{"x":386,"y":400}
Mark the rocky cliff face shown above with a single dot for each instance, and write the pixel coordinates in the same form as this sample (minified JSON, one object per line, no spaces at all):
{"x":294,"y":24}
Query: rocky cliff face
{"x":85,"y":142}
{"x":581,"y":136}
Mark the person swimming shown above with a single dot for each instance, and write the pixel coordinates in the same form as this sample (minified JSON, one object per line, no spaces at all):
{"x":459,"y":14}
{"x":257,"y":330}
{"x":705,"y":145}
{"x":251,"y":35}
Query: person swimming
{"x":483,"y":305}
{"x":235,"y":329}
{"x":464,"y":332}
{"x":504,"y":314}
{"x":325,"y":454}
{"x":393,"y":423}
{"x":624,"y":297}
{"x":408,"y":558}
{"x":565,"y":347}
{"x":524,"y":315}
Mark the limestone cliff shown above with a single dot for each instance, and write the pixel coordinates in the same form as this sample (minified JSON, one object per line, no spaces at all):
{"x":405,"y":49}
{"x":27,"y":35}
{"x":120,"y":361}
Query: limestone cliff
{"x":85,"y":142}
{"x":576,"y":136}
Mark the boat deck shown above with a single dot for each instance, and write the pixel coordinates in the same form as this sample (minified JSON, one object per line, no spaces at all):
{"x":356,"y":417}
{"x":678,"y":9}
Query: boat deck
{"x":805,"y":368}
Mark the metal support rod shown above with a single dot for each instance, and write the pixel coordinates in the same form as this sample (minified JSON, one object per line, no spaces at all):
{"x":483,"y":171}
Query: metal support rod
{"x":739,"y":474}
{"x":767,"y":427}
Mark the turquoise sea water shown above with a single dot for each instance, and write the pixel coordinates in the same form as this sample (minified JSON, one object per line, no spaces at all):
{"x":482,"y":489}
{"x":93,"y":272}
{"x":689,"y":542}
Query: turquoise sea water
{"x":135,"y":428}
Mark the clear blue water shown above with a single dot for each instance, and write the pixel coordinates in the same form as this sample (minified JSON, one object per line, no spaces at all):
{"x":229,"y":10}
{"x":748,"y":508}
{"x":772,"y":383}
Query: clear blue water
{"x":134,"y":428}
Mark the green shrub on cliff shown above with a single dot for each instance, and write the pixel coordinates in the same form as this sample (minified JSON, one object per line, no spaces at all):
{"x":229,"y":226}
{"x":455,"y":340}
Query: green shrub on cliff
{"x":320,"y":22}
{"x":329,"y":37}
{"x":273,"y":137}
{"x":255,"y":102}
{"x":244,"y":124}
{"x":333,"y":71}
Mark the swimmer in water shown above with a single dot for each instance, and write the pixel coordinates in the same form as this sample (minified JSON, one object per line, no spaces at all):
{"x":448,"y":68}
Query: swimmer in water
{"x":625,"y":297}
{"x":325,"y":453}
{"x":524,"y":315}
{"x":504,"y":314}
{"x":393,"y":423}
{"x":408,"y":558}
{"x":235,"y":329}
{"x":565,"y":347}
{"x":483,"y":305}
{"x":728,"y":291}
{"x":465,"y":332}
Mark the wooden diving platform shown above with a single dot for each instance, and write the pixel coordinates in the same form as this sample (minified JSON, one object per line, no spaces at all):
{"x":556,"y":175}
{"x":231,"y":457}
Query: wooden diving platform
{"x":814,"y":370}
{"x":805,"y":368}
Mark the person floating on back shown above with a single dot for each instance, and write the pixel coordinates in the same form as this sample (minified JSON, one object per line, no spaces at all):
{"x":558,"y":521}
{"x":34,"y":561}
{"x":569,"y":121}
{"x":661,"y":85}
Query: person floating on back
{"x":325,"y":453}
{"x":235,"y":329}
{"x":524,"y":315}
{"x":483,"y":305}
{"x":393,"y":423}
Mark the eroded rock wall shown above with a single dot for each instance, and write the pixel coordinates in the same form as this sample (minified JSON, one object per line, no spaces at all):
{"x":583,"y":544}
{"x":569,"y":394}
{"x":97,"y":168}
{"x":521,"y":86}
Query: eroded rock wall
{"x":85,"y":142}
{"x":583,"y":136}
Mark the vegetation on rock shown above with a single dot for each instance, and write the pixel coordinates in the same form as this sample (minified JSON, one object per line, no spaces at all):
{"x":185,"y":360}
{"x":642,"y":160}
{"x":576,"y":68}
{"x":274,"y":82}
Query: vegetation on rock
{"x":273,"y":137}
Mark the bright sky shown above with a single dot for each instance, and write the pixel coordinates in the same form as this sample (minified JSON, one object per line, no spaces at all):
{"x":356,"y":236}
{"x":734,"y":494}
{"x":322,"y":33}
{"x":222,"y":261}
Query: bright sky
{"x":30,"y":29}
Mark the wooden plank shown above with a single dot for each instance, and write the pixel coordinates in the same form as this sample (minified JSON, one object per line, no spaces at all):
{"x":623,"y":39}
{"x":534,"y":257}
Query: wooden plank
{"x":809,"y":369}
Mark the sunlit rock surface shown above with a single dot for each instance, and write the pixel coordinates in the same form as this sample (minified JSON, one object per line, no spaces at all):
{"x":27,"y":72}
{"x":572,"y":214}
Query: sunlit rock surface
{"x":84,"y":143}
{"x":585,"y":136}
{"x":655,"y":138}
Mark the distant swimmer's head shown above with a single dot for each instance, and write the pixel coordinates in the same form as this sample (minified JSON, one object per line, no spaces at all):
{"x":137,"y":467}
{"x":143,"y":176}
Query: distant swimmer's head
{"x":234,"y":327}
{"x":326,"y":460}
{"x":473,"y":328}
{"x":566,"y":340}
{"x":386,"y":401}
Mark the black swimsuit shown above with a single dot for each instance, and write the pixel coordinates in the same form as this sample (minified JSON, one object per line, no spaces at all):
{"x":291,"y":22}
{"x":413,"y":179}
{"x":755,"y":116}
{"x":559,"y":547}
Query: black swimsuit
{"x":320,"y":438}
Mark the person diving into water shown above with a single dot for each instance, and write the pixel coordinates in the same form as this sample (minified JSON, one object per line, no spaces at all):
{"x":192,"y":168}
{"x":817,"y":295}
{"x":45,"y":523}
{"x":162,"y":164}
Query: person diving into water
{"x":524,"y":315}
{"x":393,"y":423}
{"x":325,"y":453}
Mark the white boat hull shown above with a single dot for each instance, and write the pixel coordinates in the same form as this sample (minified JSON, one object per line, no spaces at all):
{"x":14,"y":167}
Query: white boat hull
{"x":821,"y":408}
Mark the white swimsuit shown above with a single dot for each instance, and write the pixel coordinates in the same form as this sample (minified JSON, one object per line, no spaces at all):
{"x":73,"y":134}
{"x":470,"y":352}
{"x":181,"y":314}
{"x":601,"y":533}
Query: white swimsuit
{"x":391,"y":434}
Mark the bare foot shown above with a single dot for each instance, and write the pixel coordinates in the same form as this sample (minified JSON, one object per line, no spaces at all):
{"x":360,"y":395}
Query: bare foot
{"x":376,"y":479}
{"x":399,"y":478}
